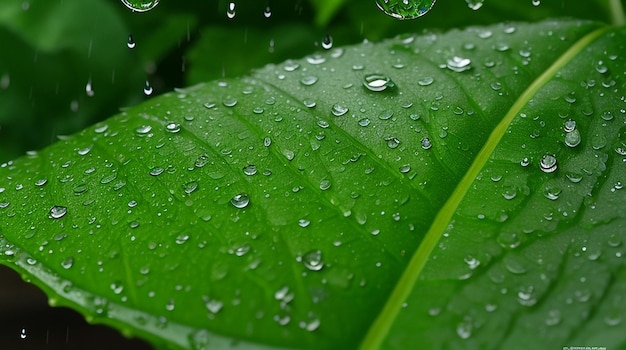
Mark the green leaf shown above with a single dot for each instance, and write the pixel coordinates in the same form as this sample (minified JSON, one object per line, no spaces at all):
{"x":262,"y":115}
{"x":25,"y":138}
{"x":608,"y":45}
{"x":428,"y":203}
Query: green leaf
{"x":299,"y":208}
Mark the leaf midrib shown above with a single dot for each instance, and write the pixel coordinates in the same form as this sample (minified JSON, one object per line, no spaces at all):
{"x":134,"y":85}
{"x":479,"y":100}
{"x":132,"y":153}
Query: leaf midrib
{"x":383,"y":323}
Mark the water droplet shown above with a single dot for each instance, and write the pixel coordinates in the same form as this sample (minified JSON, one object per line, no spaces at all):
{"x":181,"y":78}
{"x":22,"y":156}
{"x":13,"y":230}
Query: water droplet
{"x":240,"y":201}
{"x":57,"y":212}
{"x":229,"y":101}
{"x":89,"y":89}
{"x":313,"y":260}
{"x":569,"y":125}
{"x":548,"y":163}
{"x":268,"y":11}
{"x":147,"y":88}
{"x":474,"y":4}
{"x":378,"y":82}
{"x":190,"y":187}
{"x":67,"y":263}
{"x":536,"y":2}
{"x":213,"y":305}
{"x":405,"y":9}
{"x":250,"y":169}
{"x":426,"y":144}
{"x":364,"y":122}
{"x":324,"y":184}
{"x":339,"y":110}
{"x":172,"y":127}
{"x":230,"y":12}
{"x":425,"y":81}
{"x":117,"y":287}
{"x":202,"y":160}
{"x":131,"y":42}
{"x":23,"y":333}
{"x":327,"y":42}
{"x":142,"y":130}
{"x":140,"y":5}
{"x":459,"y":64}
{"x":405,"y":168}
{"x":392,"y":142}
{"x":464,"y":329}
{"x":156,"y":171}
{"x":385,"y":115}
{"x":572,"y":138}
{"x":308,"y":80}
{"x":182,"y":238}
{"x":316,"y":59}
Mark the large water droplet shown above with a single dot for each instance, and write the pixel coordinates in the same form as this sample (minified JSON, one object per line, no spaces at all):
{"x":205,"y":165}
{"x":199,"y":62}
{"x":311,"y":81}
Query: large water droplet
{"x":572,"y":138}
{"x":405,"y":9}
{"x":140,"y":5}
{"x":339,"y":110}
{"x":378,"y":82}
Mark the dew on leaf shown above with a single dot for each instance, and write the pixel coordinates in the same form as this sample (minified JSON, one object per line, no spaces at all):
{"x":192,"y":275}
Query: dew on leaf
{"x":339,"y":110}
{"x":229,"y":101}
{"x":304,"y":223}
{"x":308,"y":80}
{"x":324,"y":184}
{"x":405,"y":168}
{"x":313,"y":260}
{"x":425,"y":81}
{"x":459,"y":64}
{"x":364,"y":122}
{"x":240,"y":201}
{"x":172,"y":127}
{"x":392,"y":142}
{"x":201,"y":160}
{"x":572,"y":138}
{"x":182,"y":239}
{"x":67,"y":263}
{"x":315,"y":59}
{"x":405,"y":9}
{"x":385,"y":115}
{"x":548,"y":163}
{"x":57,"y":212}
{"x":140,"y":5}
{"x":213,"y":305}
{"x":190,"y":187}
{"x":378,"y":82}
{"x":156,"y":171}
{"x":250,"y":169}
{"x":426,"y":144}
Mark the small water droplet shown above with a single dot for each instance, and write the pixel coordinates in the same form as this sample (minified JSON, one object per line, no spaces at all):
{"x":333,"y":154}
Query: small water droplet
{"x":308,"y":80}
{"x":182,"y":238}
{"x":147,"y":88}
{"x":57,"y":212}
{"x":268,"y":11}
{"x":67,"y":263}
{"x":405,"y":168}
{"x":572,"y":138}
{"x":190,"y":187}
{"x":569,"y":125}
{"x":548,"y":163}
{"x":315,"y":59}
{"x":131,"y":42}
{"x":23,"y":333}
{"x":156,"y":171}
{"x":378,"y":82}
{"x":364,"y":122}
{"x":339,"y":110}
{"x":89,"y":89}
{"x":250,"y":169}
{"x":459,"y":64}
{"x":426,"y":144}
{"x":213,"y":305}
{"x":536,"y":2}
{"x":392,"y":142}
{"x":140,"y":5}
{"x":324,"y":184}
{"x":172,"y":127}
{"x":229,"y":101}
{"x":385,"y":115}
{"x":405,"y":9}
{"x":425,"y":81}
{"x":313,"y":260}
{"x":240,"y":201}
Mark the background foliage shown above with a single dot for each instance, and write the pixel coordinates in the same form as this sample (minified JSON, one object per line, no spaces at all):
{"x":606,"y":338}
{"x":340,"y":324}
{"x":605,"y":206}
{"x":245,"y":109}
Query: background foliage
{"x":53,"y":48}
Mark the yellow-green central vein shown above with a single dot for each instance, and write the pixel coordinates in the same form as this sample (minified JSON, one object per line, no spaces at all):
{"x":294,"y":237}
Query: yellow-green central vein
{"x":381,"y":326}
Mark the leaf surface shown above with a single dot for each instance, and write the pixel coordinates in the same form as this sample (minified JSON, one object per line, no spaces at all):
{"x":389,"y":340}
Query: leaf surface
{"x":299,"y":208}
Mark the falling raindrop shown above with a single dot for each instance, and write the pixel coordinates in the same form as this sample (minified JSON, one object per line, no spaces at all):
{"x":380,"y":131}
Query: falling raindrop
{"x":475,"y":4}
{"x":378,"y":82}
{"x":23,"y":333}
{"x":230,"y":12}
{"x":89,"y":89}
{"x":548,"y":163}
{"x":536,"y":2}
{"x":131,"y":42}
{"x":405,"y":9}
{"x":327,"y":42}
{"x":140,"y":5}
{"x":147,"y":89}
{"x":240,"y":201}
{"x":268,"y":10}
{"x":57,"y":212}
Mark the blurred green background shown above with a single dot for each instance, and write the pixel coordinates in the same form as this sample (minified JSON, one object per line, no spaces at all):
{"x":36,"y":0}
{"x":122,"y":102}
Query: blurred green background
{"x":51,"y":49}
